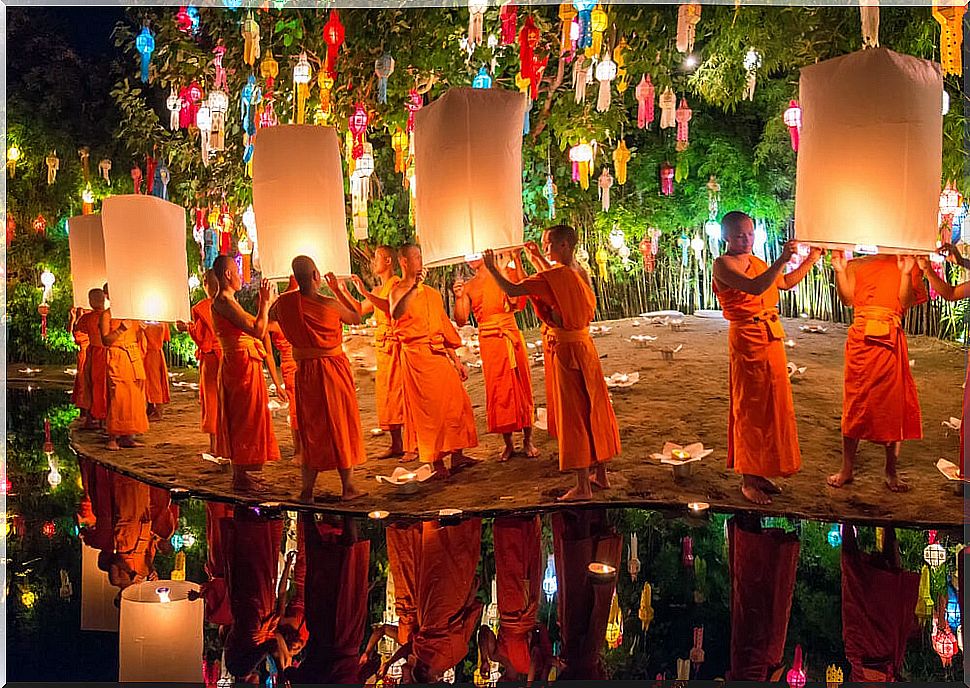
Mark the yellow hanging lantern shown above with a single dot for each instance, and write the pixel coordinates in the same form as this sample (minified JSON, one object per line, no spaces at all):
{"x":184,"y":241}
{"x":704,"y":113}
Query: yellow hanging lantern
{"x":950,"y":17}
{"x":598,"y":24}
{"x":614,"y":627}
{"x":522,"y":82}
{"x":301,"y":85}
{"x":399,"y":142}
{"x":833,"y":676}
{"x":325,"y":83}
{"x":269,"y":68}
{"x":924,"y":603}
{"x":250,"y":33}
{"x":621,"y":156}
{"x":178,"y":573}
{"x":581,"y":156}
{"x":602,"y":257}
{"x":646,"y":607}
{"x":621,"y":83}
{"x":566,"y":14}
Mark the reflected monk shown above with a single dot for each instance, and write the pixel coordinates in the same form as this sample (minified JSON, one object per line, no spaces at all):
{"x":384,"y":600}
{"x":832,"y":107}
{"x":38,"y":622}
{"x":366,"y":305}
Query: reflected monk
{"x":157,"y":391}
{"x":388,"y":387}
{"x":879,"y":399}
{"x":245,"y":426}
{"x":505,"y":359}
{"x":762,"y":433}
{"x":134,"y":543}
{"x":127,"y":415}
{"x":209,"y":354}
{"x":287,"y":371}
{"x":95,"y":371}
{"x":215,"y":591}
{"x":762,"y":564}
{"x":328,"y":417}
{"x":80,"y":394}
{"x":950,"y":292}
{"x":438,"y":416}
{"x":878,"y":599}
{"x":587,"y":431}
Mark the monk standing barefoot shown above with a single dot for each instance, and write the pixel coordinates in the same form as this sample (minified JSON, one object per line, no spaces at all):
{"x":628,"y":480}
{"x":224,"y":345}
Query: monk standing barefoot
{"x":126,"y":382}
{"x":437,"y":411}
{"x":762,"y":434}
{"x":879,"y":403}
{"x":388,"y":389}
{"x":207,"y":350}
{"x":505,"y":361}
{"x":588,"y":434}
{"x":287,"y":371}
{"x":95,"y":362}
{"x":157,"y":392}
{"x":245,"y":425}
{"x":80,"y":395}
{"x":329,"y":419}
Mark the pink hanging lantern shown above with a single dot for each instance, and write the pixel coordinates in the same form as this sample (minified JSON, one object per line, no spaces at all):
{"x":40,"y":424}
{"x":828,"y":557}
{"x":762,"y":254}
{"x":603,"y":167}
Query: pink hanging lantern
{"x":508,"y":15}
{"x":136,"y":178}
{"x":793,"y":120}
{"x":684,"y":114}
{"x":645,"y":93}
{"x":667,"y":172}
{"x":358,"y":126}
{"x":415,"y":103}
{"x":796,"y":677}
{"x":944,"y":642}
{"x":687,"y":552}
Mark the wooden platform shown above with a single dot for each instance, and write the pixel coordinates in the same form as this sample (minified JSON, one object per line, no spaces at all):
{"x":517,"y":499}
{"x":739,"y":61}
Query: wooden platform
{"x":683,"y":400}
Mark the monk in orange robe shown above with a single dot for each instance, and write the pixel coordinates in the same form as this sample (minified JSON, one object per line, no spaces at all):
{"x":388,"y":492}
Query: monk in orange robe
{"x":588,"y":434}
{"x":505,"y":359}
{"x":762,"y":434}
{"x":951,"y":292}
{"x":80,"y":394}
{"x":518,"y":570}
{"x":134,"y":542}
{"x":762,"y":566}
{"x":157,"y":391}
{"x":95,"y":371}
{"x":97,"y":482}
{"x":127,"y":415}
{"x":288,"y":374}
{"x":245,"y":424}
{"x":879,"y":398}
{"x":215,"y":591}
{"x":878,"y":599}
{"x":579,"y":539}
{"x":388,"y":388}
{"x":336,"y":602}
{"x":437,"y":411}
{"x":326,"y":400}
{"x":209,"y":354}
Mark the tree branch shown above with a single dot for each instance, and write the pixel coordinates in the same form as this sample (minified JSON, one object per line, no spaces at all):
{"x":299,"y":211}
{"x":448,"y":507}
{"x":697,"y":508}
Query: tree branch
{"x":543,"y":118}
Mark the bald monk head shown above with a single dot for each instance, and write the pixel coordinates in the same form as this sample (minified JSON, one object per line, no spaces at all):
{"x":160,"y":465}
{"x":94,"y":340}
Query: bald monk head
{"x":306,"y":274}
{"x":558,"y":244}
{"x":382,"y":264}
{"x":737,"y":229}
{"x":96,"y":299}
{"x":211,"y":283}
{"x":227,"y":273}
{"x":412,"y":265}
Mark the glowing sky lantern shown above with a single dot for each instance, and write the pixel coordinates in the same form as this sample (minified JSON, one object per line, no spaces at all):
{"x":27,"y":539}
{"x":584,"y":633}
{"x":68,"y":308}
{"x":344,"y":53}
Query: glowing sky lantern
{"x":333,"y":36}
{"x":145,"y":43}
{"x":793,"y":120}
{"x":605,"y":73}
{"x":160,"y":632}
{"x":301,"y":86}
{"x":86,"y":243}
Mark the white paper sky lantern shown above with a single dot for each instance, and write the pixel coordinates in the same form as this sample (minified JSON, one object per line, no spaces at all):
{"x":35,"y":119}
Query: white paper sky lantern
{"x":298,"y":198}
{"x":468,"y":158}
{"x":144,"y":257}
{"x":98,"y":611}
{"x":86,"y":241}
{"x":160,"y":640}
{"x":870,"y":152}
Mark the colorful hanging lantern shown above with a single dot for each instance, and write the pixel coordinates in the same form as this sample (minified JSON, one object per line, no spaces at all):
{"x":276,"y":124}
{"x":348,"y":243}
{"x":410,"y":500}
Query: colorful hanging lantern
{"x":752,"y":61}
{"x":40,"y":227}
{"x":668,"y":108}
{"x":683,"y":116}
{"x":203,"y":120}
{"x":924,"y":603}
{"x":697,"y":651}
{"x":333,"y":36}
{"x":953,"y":615}
{"x":136,"y":178}
{"x":174,"y":104}
{"x":508,"y":15}
{"x":602,"y":260}
{"x":793,"y":120}
{"x":483,"y":79}
{"x":383,"y":68}
{"x":934,"y":554}
{"x":581,"y":156}
{"x":687,"y":552}
{"x":53,"y":164}
{"x":183,"y":22}
{"x":646,"y":607}
{"x":476,"y":22}
{"x":697,"y":246}
{"x":796,"y":676}
{"x":869,"y":15}
{"x":645,"y":95}
{"x":713,"y":197}
{"x":145,"y":43}
{"x":191,"y":99}
{"x":950,"y":17}
{"x":87,"y":200}
{"x":549,"y":583}
{"x":584,"y":9}
{"x":530,"y":65}
{"x":605,"y":183}
{"x":360,"y":191}
{"x":567,"y":13}
{"x":399,"y":142}
{"x":549,"y":191}
{"x":415,"y":102}
{"x":614,"y":625}
{"x":357,"y":124}
{"x":633,"y":562}
{"x":250,"y":34}
{"x":834,"y":536}
{"x":301,"y":86}
{"x":666,"y":179}
{"x":621,"y":156}
{"x":605,"y":73}
{"x":598,"y":23}
{"x":85,"y":154}
{"x":219,"y":81}
{"x":13,"y":155}
{"x":162,"y":178}
{"x":581,"y":77}
{"x":712,"y":228}
{"x":49,"y":529}
{"x":688,"y":15}
{"x":944,"y":642}
{"x":833,"y":676}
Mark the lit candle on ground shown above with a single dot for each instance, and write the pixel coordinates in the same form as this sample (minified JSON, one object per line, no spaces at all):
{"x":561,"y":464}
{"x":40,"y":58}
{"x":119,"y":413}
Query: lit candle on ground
{"x":698,"y":508}
{"x":680,"y":454}
{"x":378,"y":515}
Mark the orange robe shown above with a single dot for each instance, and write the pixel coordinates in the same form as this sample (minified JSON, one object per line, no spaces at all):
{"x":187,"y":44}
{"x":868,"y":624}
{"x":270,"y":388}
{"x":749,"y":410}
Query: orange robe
{"x":586,"y":425}
{"x":245,"y":425}
{"x":209,"y":354}
{"x":505,"y":359}
{"x":403,"y":558}
{"x":448,"y":608}
{"x":388,"y":388}
{"x":95,"y":365}
{"x":81,"y":394}
{"x":879,"y":403}
{"x":518,"y":570}
{"x":580,"y":538}
{"x":288,"y":367}
{"x":156,"y":372}
{"x":438,"y":416}
{"x":98,"y":484}
{"x":326,"y":399}
{"x":126,"y":383}
{"x":762,"y":434}
{"x":549,"y":368}
{"x":963,"y":426}
{"x":762,"y":566}
{"x":134,"y":543}
{"x":252,"y":557}
{"x":336,"y":605}
{"x":215,"y":591}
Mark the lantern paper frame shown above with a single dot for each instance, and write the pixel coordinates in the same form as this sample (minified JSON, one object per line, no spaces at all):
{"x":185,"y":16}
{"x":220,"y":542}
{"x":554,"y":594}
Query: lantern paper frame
{"x":98,"y":611}
{"x":870,"y":153}
{"x":160,"y":641}
{"x":298,"y":199}
{"x":145,"y":259}
{"x":86,"y":243}
{"x":468,"y":166}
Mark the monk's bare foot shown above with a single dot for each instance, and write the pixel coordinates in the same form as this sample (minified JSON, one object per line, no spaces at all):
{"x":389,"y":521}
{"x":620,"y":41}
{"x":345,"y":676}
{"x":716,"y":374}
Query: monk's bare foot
{"x":440,"y":470}
{"x":392,"y":453}
{"x":112,"y":445}
{"x":767,"y":486}
{"x":244,"y":482}
{"x":154,"y":417}
{"x":351,"y":493}
{"x":896,"y":484}
{"x":531,"y":450}
{"x":839,"y":479}
{"x":130,"y":444}
{"x":755,"y":495}
{"x":577,"y":494}
{"x":506,"y":453}
{"x":459,"y":460}
{"x":408,"y":457}
{"x":600,"y":479}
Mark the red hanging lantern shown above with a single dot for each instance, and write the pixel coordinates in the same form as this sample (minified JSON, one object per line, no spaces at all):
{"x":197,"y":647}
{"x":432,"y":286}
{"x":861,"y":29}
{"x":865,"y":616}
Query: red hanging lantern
{"x":49,"y":529}
{"x":40,"y":224}
{"x":687,"y":552}
{"x":136,"y":178}
{"x":333,"y":36}
{"x":357,"y":123}
{"x":944,"y":642}
{"x":667,"y":172}
{"x":415,"y":103}
{"x":183,"y":22}
{"x":150,"y":165}
{"x":48,"y":443}
{"x":11,"y":228}
{"x":793,"y":120}
{"x":531,"y":67}
{"x":797,"y":677}
{"x":508,"y":14}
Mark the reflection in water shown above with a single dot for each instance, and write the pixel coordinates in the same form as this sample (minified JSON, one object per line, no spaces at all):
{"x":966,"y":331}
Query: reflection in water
{"x":568,"y":595}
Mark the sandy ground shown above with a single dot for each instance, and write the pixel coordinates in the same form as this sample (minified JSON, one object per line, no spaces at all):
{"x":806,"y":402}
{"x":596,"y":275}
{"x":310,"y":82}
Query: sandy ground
{"x":684,"y":400}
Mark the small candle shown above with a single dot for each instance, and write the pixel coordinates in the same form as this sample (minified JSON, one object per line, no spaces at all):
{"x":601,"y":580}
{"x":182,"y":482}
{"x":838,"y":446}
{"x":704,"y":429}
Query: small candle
{"x":680,"y":454}
{"x":378,"y":515}
{"x":601,"y":572}
{"x":698,"y":507}
{"x":163,"y":595}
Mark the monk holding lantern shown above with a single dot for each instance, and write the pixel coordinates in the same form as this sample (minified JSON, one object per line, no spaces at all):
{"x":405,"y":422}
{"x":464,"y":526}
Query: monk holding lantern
{"x":207,"y":350}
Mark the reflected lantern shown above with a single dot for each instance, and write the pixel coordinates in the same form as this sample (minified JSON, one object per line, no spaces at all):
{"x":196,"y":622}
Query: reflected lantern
{"x":549,"y":583}
{"x":160,"y":632}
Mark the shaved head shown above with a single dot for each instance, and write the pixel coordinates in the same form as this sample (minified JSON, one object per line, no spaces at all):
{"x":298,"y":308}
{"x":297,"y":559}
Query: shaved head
{"x":96,"y":298}
{"x":211,"y":282}
{"x":409,"y":250}
{"x":226,"y":272}
{"x":734,"y":222}
{"x":385,"y":251}
{"x":563,"y":233}
{"x":305,"y":271}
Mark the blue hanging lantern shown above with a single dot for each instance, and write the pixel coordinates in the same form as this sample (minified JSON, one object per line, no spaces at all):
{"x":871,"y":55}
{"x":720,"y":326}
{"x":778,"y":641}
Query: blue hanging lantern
{"x":246,"y":101}
{"x":550,"y":193}
{"x":383,"y":67}
{"x":193,"y":13}
{"x":953,"y":615}
{"x":835,"y":535}
{"x":232,"y":4}
{"x":177,"y":541}
{"x":145,"y":43}
{"x":482,"y":80}
{"x":525,"y":123}
{"x":584,"y":8}
{"x":162,"y":178}
{"x":211,"y":245}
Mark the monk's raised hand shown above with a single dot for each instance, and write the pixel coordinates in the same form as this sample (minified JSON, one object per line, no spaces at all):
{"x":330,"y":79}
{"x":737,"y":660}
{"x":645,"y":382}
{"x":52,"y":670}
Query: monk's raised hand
{"x":924,"y":263}
{"x":951,"y":252}
{"x":488,"y":257}
{"x":458,"y":288}
{"x":265,"y":290}
{"x":838,"y":260}
{"x":331,"y":280}
{"x":359,"y":283}
{"x":181,"y":326}
{"x":814,"y":254}
{"x":789,"y":250}
{"x":905,"y":264}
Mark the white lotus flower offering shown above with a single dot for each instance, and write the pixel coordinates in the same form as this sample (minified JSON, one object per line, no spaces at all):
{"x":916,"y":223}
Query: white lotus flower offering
{"x":682,"y":458}
{"x":542,"y":418}
{"x":795,"y":372}
{"x":407,"y":481}
{"x":641,"y":341}
{"x":599,"y":330}
{"x":622,"y":380}
{"x":814,"y":329}
{"x":667,"y":353}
